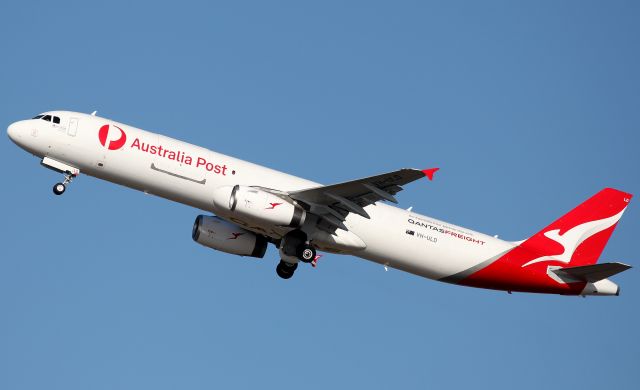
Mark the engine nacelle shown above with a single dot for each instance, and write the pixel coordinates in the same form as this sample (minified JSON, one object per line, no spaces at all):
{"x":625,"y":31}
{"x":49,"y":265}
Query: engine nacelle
{"x":258,"y":206}
{"x":216,"y":233}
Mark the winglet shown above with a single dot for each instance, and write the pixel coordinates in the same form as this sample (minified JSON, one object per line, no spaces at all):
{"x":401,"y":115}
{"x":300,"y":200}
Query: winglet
{"x":429,"y":172}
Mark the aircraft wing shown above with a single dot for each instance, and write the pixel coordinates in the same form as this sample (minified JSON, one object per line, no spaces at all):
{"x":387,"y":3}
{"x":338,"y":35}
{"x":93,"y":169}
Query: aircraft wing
{"x":334,"y":202}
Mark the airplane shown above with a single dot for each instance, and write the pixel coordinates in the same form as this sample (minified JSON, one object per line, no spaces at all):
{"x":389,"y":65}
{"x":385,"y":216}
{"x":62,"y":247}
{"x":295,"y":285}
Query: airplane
{"x":253,"y":206}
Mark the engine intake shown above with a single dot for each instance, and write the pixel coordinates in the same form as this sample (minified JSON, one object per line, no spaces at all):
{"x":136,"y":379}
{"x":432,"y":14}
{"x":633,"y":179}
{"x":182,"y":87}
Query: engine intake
{"x":258,"y":206}
{"x":216,"y":233}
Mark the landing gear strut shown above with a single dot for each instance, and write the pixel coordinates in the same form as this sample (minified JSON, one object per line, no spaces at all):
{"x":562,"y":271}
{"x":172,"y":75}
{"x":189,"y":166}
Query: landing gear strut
{"x":60,"y":188}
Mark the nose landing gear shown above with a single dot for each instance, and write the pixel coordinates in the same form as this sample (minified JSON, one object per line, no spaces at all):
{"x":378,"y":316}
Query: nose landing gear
{"x":60,"y":188}
{"x":69,"y":172}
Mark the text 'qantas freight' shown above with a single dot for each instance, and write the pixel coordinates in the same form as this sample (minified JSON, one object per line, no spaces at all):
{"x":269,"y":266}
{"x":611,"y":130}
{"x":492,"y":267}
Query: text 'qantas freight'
{"x":255,"y":206}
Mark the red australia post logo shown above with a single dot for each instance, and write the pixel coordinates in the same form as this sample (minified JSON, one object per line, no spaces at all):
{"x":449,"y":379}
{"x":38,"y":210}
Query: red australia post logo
{"x":112,"y":137}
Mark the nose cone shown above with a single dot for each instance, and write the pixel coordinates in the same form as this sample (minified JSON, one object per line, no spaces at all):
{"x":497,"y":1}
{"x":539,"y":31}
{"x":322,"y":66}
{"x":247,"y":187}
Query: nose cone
{"x":25,"y":135}
{"x":12,"y":132}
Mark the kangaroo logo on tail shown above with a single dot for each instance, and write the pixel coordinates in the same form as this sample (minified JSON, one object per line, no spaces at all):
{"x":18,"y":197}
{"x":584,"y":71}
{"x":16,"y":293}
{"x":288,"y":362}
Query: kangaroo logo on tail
{"x":572,"y":238}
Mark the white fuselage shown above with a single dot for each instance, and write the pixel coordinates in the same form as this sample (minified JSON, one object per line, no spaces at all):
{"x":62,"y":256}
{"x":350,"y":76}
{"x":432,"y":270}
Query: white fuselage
{"x":189,"y":174}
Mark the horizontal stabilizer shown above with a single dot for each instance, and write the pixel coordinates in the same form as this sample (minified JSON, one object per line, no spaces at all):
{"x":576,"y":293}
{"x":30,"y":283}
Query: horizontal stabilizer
{"x":592,"y":273}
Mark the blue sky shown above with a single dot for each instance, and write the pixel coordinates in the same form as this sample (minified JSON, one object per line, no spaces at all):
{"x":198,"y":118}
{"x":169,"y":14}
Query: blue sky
{"x":529,"y":108}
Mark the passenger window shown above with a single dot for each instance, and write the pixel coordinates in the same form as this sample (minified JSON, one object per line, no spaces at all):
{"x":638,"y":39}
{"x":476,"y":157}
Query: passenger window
{"x":47,"y":118}
{"x":56,"y":120}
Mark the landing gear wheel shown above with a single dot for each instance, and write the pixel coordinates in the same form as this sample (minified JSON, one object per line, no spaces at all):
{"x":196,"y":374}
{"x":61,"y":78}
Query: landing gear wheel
{"x":286,"y":270}
{"x":306,"y":253}
{"x":59,"y":189}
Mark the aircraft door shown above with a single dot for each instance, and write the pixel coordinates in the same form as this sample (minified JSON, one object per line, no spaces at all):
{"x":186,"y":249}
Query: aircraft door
{"x":72,"y":129}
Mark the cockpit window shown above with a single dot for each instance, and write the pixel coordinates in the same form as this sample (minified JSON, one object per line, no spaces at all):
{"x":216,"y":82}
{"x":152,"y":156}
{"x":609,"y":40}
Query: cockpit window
{"x":48,"y":118}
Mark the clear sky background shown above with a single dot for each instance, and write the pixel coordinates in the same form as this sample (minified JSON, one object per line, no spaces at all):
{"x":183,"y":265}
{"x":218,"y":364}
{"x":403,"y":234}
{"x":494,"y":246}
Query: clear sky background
{"x":528,"y":107}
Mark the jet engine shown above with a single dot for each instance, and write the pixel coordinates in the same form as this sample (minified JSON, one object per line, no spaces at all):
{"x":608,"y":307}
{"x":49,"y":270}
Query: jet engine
{"x":257,"y":206}
{"x":216,"y":233}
